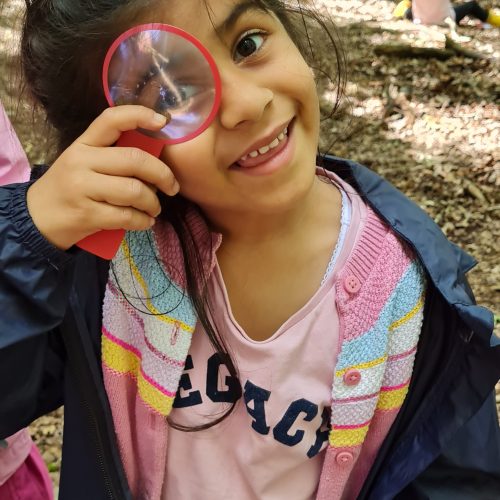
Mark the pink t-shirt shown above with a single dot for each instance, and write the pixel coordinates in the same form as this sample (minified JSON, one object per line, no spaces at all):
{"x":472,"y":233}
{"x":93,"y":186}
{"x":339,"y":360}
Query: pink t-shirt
{"x":431,"y":11}
{"x":272,"y":446}
{"x":14,"y":166}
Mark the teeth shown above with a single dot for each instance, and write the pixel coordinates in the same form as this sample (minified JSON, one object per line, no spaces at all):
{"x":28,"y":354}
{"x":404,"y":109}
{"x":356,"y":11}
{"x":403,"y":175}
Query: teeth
{"x":267,"y":148}
{"x":274,"y":143}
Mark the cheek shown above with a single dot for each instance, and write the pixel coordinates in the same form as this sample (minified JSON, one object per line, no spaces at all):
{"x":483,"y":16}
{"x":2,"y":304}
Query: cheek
{"x":183,"y":158}
{"x":306,"y":96}
{"x":311,"y":94}
{"x":300,"y":82}
{"x":180,"y":159}
{"x":184,"y":161}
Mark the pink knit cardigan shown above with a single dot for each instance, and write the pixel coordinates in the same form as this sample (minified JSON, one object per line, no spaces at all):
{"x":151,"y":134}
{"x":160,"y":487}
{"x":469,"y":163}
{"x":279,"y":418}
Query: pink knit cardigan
{"x":379,"y":296}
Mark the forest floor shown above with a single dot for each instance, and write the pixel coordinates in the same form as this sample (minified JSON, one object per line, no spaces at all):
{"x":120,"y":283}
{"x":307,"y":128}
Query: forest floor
{"x":431,"y":125}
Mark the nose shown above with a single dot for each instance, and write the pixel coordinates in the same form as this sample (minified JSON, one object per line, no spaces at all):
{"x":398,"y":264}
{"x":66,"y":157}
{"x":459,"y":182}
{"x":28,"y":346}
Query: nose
{"x":244,"y":98}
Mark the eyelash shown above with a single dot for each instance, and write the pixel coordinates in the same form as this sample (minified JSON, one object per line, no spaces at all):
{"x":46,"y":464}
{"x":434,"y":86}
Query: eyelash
{"x":246,"y":35}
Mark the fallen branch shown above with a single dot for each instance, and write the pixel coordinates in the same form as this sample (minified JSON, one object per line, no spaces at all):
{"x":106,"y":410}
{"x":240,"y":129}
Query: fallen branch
{"x":450,"y":49}
{"x":403,"y":50}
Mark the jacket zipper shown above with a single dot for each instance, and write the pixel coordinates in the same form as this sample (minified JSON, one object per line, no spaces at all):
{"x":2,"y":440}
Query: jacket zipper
{"x":98,"y":444}
{"x":83,"y":377}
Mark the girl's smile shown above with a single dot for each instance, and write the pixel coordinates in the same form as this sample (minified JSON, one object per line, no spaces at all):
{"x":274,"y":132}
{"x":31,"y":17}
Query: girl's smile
{"x":263,"y":147}
{"x":267,"y":159}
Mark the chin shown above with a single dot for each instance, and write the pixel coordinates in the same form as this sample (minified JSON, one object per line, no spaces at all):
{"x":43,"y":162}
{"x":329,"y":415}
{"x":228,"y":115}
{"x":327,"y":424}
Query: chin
{"x":286,"y":196}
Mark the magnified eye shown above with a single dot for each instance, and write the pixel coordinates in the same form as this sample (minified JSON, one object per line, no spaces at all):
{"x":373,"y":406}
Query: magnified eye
{"x":171,"y":97}
{"x":187,"y":91}
{"x":161,"y":93}
{"x":249,"y":44}
{"x":168,"y":97}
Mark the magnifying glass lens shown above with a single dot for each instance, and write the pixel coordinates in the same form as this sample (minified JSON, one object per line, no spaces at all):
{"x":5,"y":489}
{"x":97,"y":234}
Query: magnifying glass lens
{"x":169,"y":71}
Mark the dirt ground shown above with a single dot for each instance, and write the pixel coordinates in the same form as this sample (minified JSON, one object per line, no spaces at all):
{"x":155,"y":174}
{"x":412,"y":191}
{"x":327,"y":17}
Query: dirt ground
{"x":429,"y":125}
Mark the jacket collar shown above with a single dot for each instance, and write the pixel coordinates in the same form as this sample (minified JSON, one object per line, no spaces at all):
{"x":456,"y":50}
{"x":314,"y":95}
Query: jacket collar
{"x":445,"y":263}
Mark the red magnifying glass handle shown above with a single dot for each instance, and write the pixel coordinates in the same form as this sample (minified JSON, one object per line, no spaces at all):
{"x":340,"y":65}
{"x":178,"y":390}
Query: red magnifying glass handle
{"x":105,"y":244}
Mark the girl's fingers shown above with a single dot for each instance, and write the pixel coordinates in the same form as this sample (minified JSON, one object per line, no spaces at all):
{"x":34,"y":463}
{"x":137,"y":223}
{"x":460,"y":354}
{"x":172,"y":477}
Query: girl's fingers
{"x":132,"y":162}
{"x":109,"y":125}
{"x":124,"y":192}
{"x":92,"y":186}
{"x":113,"y":217}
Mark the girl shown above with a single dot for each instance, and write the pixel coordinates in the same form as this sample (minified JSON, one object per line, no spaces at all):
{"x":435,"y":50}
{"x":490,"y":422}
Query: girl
{"x":269,"y":328}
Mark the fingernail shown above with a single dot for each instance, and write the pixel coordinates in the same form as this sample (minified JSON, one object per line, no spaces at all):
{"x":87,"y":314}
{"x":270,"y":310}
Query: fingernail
{"x":152,"y":221}
{"x":160,"y":119}
{"x":175,"y":188}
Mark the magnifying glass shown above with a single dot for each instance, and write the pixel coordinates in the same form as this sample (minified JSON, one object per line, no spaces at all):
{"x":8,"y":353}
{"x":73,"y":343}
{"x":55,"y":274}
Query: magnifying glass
{"x":166,"y":69}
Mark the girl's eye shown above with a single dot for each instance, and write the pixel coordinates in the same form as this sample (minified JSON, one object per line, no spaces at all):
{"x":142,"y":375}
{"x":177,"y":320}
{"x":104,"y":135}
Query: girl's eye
{"x":173,"y":96}
{"x":160,"y":93}
{"x":248,"y":45}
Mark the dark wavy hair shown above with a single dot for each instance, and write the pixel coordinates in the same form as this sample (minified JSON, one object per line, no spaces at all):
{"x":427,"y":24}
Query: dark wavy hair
{"x":63,"y":46}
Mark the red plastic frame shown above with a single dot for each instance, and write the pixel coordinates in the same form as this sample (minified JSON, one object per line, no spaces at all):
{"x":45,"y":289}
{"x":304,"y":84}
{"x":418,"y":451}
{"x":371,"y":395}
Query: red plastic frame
{"x":196,"y":43}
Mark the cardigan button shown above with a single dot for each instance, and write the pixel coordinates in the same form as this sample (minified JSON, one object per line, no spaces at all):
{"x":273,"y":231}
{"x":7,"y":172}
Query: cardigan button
{"x":352,"y":377}
{"x":352,"y":284}
{"x":344,"y":458}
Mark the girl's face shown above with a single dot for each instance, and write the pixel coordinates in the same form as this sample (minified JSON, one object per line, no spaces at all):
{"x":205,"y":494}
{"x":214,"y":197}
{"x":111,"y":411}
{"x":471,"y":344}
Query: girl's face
{"x":267,"y":88}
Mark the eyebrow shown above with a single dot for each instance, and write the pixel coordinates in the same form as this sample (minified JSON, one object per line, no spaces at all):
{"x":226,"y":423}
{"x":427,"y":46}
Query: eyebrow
{"x":238,"y":10}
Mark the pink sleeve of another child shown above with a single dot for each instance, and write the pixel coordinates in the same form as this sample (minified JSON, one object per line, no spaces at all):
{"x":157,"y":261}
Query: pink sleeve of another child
{"x":12,"y":457}
{"x":14,"y":166}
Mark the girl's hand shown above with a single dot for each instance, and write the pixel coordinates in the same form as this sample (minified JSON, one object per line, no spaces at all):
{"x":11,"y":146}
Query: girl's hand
{"x":92,"y":186}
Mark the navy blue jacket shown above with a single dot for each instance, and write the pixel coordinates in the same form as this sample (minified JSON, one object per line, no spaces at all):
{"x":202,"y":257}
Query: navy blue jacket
{"x":444,"y":445}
